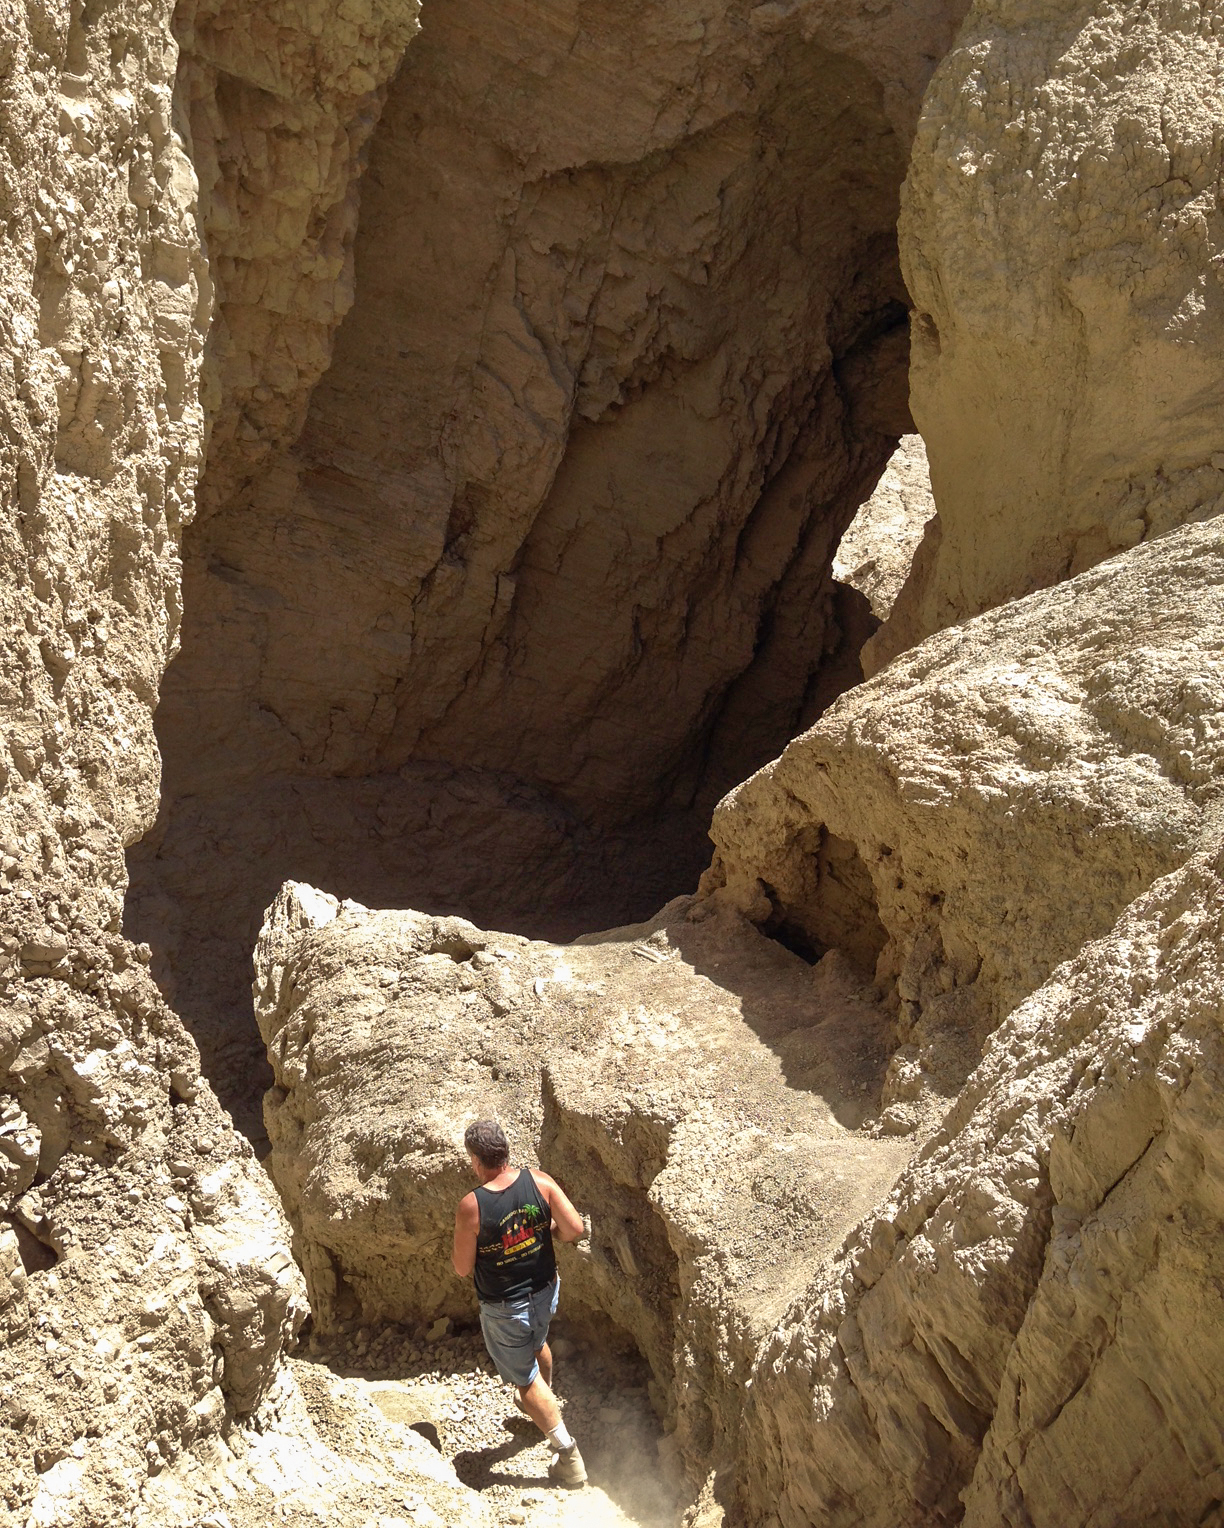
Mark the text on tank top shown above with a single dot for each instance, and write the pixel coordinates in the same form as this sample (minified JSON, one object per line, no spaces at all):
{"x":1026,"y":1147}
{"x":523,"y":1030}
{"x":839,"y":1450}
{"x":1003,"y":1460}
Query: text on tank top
{"x":514,"y":1247}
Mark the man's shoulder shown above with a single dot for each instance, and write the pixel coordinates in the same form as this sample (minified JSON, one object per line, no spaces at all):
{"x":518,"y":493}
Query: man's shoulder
{"x":469,"y":1203}
{"x":543,"y":1179}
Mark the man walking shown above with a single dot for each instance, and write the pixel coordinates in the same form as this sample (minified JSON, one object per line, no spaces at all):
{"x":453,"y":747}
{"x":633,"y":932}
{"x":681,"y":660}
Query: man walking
{"x":503,"y":1235}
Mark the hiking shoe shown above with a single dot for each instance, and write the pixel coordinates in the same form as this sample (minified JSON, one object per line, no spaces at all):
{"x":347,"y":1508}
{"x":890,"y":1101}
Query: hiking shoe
{"x":567,"y":1469}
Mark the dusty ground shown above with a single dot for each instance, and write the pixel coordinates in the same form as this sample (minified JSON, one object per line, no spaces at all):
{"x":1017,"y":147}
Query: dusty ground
{"x":448,"y":1392}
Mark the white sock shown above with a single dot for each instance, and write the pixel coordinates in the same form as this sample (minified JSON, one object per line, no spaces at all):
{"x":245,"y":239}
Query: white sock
{"x":560,"y":1438}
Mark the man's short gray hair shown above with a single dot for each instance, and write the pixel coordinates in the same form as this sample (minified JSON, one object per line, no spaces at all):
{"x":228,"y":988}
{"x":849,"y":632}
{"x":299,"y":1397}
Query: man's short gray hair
{"x":486,"y":1140}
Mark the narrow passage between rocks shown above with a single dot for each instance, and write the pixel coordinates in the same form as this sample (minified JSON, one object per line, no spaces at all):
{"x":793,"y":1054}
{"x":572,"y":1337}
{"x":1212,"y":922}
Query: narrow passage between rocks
{"x":449,"y":1393}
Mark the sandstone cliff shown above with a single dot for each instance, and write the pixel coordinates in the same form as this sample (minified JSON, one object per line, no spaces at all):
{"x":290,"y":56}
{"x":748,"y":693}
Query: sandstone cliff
{"x":523,"y":368}
{"x":1039,"y":1286}
{"x":127,"y":1205}
{"x":147,"y":1291}
{"x":993,"y":800}
{"x":1031,"y":1323}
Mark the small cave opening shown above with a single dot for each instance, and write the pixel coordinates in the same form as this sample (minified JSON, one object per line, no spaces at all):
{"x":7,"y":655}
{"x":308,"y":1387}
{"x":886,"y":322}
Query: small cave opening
{"x":825,"y":900}
{"x":486,"y":609}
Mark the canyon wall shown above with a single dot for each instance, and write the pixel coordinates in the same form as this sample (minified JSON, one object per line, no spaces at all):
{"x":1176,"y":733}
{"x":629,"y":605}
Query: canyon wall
{"x":1030,"y":811}
{"x":488,"y":615}
{"x":146,"y":1276}
{"x":549,"y":357}
{"x":148,"y":1295}
{"x":1061,"y":238}
{"x":1001,"y":852}
{"x":1035,"y":826}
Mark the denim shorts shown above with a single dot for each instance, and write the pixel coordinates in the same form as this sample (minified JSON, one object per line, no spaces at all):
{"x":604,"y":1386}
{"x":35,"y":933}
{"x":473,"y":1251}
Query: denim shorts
{"x":516,"y":1330}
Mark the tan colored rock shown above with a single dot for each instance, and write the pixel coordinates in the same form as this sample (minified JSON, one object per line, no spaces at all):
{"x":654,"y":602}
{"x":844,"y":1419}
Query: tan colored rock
{"x":279,"y":104}
{"x":875,"y":554}
{"x":993,"y":800}
{"x":110,"y":1299}
{"x":106,"y":302}
{"x":147,"y":1292}
{"x":1033,"y":1319}
{"x":699,"y":1090}
{"x":554,"y":525}
{"x":1061,"y":236}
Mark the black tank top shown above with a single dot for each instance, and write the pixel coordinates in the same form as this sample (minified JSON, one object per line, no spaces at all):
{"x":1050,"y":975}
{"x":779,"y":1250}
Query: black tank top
{"x":514,"y":1247}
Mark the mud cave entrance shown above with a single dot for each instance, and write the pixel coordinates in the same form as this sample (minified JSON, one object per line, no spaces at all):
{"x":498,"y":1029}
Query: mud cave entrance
{"x":488,"y":603}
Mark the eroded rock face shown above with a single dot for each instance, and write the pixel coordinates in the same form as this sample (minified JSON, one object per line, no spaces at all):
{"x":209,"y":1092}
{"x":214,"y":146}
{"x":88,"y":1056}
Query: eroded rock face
{"x":702,"y":1092}
{"x":1009,"y":1310}
{"x":1032,"y":1322}
{"x":147,"y":1290}
{"x":558,"y":398}
{"x":556,"y":522}
{"x":106,"y":303}
{"x":147,"y":1276}
{"x":995,"y":798}
{"x":1060,"y":237}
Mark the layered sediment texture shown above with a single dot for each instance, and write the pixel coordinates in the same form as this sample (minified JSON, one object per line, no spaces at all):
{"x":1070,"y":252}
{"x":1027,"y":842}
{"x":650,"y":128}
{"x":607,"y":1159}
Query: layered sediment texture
{"x":541,"y":357}
{"x":488,"y":616}
{"x":698,"y":1089}
{"x":1031,"y":851}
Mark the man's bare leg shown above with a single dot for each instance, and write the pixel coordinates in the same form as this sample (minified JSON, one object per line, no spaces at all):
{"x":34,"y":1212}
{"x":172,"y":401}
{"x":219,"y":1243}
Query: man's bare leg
{"x":540,"y":1404}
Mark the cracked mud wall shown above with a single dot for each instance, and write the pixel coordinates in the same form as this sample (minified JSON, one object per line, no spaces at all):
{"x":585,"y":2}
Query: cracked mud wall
{"x":540,"y":565}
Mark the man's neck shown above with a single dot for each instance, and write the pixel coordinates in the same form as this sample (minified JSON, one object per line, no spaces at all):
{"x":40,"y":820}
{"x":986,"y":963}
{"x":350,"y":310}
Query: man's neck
{"x":489,"y":1176}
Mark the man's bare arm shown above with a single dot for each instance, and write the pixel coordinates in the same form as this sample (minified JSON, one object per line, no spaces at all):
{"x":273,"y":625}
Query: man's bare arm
{"x":467,"y":1232}
{"x":566,"y":1219}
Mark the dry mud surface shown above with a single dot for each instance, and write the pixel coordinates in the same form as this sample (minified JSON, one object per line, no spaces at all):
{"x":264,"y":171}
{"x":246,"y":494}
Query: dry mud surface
{"x":448,"y":1392}
{"x":710,"y":1098}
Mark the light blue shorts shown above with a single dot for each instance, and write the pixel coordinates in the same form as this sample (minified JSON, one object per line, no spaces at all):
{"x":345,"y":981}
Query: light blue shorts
{"x":516,"y":1330}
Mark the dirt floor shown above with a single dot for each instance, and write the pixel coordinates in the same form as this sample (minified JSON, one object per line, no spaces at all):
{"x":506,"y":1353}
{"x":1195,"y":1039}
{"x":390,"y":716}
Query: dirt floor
{"x":447,"y":1391}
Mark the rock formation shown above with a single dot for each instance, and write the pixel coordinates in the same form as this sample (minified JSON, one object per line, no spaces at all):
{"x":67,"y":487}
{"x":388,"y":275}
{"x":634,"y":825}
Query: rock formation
{"x":145,"y":1271}
{"x":523,"y":368}
{"x":697,"y":1087}
{"x":147,"y":1291}
{"x":552,"y":531}
{"x":875,"y":554}
{"x":1031,"y":1323}
{"x":979,"y":815}
{"x":1061,"y":236}
{"x":995,"y":798}
{"x":925,"y":1364}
